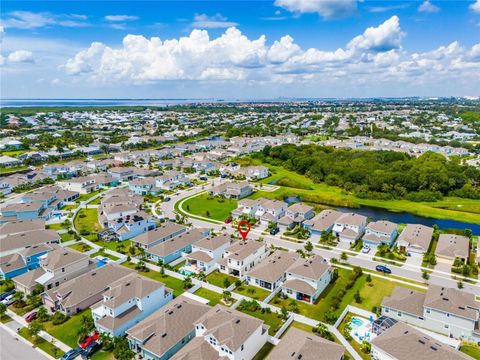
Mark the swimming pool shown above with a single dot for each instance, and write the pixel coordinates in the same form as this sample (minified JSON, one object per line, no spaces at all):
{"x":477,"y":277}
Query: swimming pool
{"x":356,"y":322}
{"x":361,"y":329}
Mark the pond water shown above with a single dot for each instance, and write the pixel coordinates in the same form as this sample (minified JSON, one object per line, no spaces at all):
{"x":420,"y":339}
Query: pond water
{"x":407,"y":218}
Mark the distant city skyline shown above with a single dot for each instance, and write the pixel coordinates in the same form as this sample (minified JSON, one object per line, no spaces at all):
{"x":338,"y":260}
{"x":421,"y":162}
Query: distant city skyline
{"x":240,"y":49}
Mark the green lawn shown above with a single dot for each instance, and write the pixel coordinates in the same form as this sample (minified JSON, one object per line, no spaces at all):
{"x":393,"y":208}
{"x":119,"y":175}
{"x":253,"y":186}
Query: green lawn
{"x":217,"y":278}
{"x":87,"y":225}
{"x":67,"y":332}
{"x":273,"y":320}
{"x":81,"y":246}
{"x":173,"y":283}
{"x":214,"y":297}
{"x":96,"y":202}
{"x":69,"y":207}
{"x":210,"y":207}
{"x":471,"y":350}
{"x":264,"y":351}
{"x":104,"y":254}
{"x":352,"y":342}
{"x":67,"y":237}
{"x":43,"y":344}
{"x":103,"y":355}
{"x":11,"y":170}
{"x":85,"y":197}
{"x":58,"y":226}
{"x":252,"y":291}
{"x":116,"y":245}
{"x":293,"y":184}
{"x":5,"y":319}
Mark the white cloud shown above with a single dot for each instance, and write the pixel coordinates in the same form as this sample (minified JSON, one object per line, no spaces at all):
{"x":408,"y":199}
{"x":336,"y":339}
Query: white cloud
{"x":31,"y":20}
{"x":121,"y":18}
{"x":475,"y":6}
{"x":203,"y":21}
{"x":20,"y":56}
{"x":329,"y":9}
{"x":428,"y":7}
{"x":385,"y":37}
{"x":381,"y":9}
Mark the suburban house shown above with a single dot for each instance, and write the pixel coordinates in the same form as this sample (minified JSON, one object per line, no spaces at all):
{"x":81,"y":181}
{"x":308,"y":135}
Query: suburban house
{"x":224,"y":333}
{"x":324,"y":221}
{"x":443,"y":310}
{"x":296,"y":214}
{"x":25,"y":260}
{"x":82,"y":184}
{"x":245,"y":207}
{"x":415,"y":239}
{"x":162,"y":233}
{"x":16,"y":242}
{"x":171,"y":180}
{"x":350,"y":227}
{"x":271,"y":272}
{"x":206,"y":253}
{"x":83,"y":291}
{"x":299,"y":344}
{"x":166,"y":331}
{"x":253,"y":172}
{"x":242,"y":256}
{"x":307,"y":278}
{"x":21,"y":226}
{"x":270,"y":210}
{"x":122,"y":173}
{"x":127,"y":301}
{"x":232,"y":190}
{"x":380,"y":233}
{"x":144,"y":186}
{"x":174,"y":248}
{"x":451,"y":246}
{"x":402,"y":341}
{"x":56,"y":267}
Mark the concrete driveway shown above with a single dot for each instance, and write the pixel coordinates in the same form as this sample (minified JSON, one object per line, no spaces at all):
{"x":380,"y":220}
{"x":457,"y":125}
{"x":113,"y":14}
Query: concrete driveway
{"x":443,"y":265}
{"x":414,"y":260}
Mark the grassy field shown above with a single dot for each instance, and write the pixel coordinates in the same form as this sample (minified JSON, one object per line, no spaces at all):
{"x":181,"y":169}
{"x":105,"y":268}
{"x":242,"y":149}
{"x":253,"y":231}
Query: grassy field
{"x":11,"y":170}
{"x":214,"y":297}
{"x":85,"y":197}
{"x":89,"y":224}
{"x":103,"y":355}
{"x":471,"y":350}
{"x":67,"y":237}
{"x":217,"y":278}
{"x":102,"y":253}
{"x":293,"y":184}
{"x":5,"y":319}
{"x":252,"y":291}
{"x":67,"y":332}
{"x":173,"y":283}
{"x":43,"y":344}
{"x":273,"y":320}
{"x":210,"y":207}
{"x":81,"y":246}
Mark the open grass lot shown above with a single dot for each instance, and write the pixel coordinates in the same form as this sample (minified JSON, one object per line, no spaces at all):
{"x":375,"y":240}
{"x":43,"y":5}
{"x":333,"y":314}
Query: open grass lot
{"x":81,"y":246}
{"x":67,"y":237}
{"x":43,"y":344}
{"x":67,"y":332}
{"x":85,"y":197}
{"x":214,"y":297}
{"x":103,"y":355}
{"x":293,"y":184}
{"x":218,"y":279}
{"x":252,"y":291}
{"x":264,"y":351}
{"x":210,"y":207}
{"x":5,"y":319}
{"x":372,"y":295}
{"x":58,"y":226}
{"x":173,"y":283}
{"x":11,"y":170}
{"x":86,"y":223}
{"x":273,"y":320}
{"x":471,"y":350}
{"x":352,"y":342}
{"x":102,"y":253}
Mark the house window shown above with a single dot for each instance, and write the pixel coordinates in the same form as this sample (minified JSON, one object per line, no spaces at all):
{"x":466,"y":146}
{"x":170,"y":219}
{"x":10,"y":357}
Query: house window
{"x":445,"y":326}
{"x":386,"y":310}
{"x":428,"y":311}
{"x":399,"y":314}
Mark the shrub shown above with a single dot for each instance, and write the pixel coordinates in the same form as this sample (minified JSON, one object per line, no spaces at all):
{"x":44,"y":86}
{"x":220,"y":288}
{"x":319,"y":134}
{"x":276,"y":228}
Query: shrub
{"x":59,"y":318}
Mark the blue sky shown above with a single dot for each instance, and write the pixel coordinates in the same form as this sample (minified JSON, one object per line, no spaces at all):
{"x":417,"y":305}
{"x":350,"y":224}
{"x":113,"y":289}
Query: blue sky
{"x":240,"y":49}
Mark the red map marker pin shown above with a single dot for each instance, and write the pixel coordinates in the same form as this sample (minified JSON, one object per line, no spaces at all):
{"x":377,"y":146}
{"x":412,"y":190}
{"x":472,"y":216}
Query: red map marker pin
{"x":243,"y":232}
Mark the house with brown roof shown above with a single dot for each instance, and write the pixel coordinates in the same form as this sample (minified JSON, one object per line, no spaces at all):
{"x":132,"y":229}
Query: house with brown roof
{"x":162,"y":233}
{"x":324,"y":221}
{"x":298,"y":344}
{"x":447,"y":311}
{"x":83,"y":291}
{"x":206,"y":253}
{"x":380,"y":232}
{"x":16,"y":242}
{"x":452,"y":246}
{"x":225,"y":333}
{"x":350,"y":227}
{"x":307,"y":278}
{"x":402,"y":341}
{"x":296,"y":214}
{"x":128,"y":301}
{"x":162,"y":334}
{"x":415,"y":239}
{"x":242,"y":256}
{"x":271,"y":272}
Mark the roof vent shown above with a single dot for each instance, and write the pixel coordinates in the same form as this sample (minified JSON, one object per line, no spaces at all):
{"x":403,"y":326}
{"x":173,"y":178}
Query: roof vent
{"x":237,"y":321}
{"x":421,"y":342}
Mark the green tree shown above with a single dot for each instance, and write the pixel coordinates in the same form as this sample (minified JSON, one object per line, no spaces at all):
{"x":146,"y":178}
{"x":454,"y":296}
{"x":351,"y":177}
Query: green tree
{"x":368,"y":279}
{"x":308,"y":247}
{"x":187,"y":282}
{"x":226,"y":283}
{"x":34,"y":329}
{"x":344,"y":256}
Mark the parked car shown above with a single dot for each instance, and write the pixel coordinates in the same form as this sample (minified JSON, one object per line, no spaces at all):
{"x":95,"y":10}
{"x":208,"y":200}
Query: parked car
{"x":223,"y":176}
{"x":365,"y":249}
{"x":383,"y":268}
{"x":167,"y":199}
{"x":9,"y":300}
{"x":88,"y":340}
{"x":228,"y":220}
{"x":274,"y":231}
{"x":72,"y":354}
{"x":90,"y":350}
{"x":203,"y":178}
{"x":30,"y":317}
{"x":8,"y":293}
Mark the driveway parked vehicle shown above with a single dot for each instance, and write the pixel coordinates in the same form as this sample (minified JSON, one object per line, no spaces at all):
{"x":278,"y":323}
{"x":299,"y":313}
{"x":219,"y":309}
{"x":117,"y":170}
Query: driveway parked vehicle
{"x":88,"y":340}
{"x":9,"y":300}
{"x":72,"y":354}
{"x":6,"y":294}
{"x":274,"y":231}
{"x":228,"y":220}
{"x":91,"y":350}
{"x":365,"y":249}
{"x":30,"y":317}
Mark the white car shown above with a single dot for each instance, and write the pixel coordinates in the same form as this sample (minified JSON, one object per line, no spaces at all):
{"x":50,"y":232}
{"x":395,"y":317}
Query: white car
{"x":365,"y":249}
{"x":9,"y":300}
